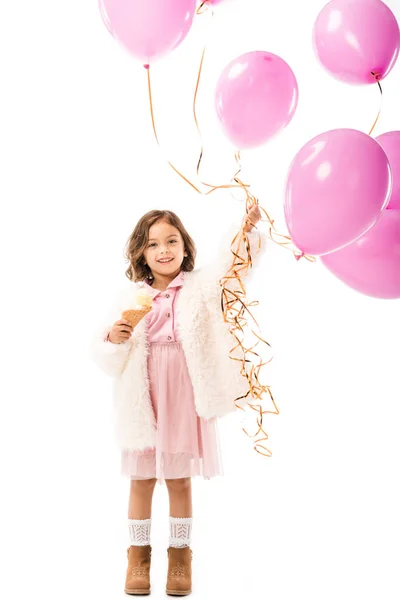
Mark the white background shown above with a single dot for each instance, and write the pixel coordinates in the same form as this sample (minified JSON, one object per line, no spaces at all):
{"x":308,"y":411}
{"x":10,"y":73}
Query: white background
{"x":79,"y":166}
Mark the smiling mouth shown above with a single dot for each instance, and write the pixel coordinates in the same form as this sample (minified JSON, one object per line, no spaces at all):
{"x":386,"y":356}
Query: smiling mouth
{"x":165,"y":261}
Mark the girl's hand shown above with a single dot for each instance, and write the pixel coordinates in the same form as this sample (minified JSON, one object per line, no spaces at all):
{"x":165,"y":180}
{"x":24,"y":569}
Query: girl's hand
{"x":252,"y":218}
{"x":121,"y":332}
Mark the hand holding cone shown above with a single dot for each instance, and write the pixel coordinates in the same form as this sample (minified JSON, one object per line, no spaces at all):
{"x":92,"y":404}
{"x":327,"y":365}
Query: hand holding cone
{"x":135,"y":315}
{"x":143,"y":304}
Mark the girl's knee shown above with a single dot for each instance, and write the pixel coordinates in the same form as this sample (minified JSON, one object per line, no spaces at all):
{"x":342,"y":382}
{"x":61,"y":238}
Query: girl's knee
{"x":178,"y":485}
{"x":143,"y":485}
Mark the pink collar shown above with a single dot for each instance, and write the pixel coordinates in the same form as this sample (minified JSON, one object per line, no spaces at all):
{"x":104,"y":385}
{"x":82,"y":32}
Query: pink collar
{"x":175,"y":283}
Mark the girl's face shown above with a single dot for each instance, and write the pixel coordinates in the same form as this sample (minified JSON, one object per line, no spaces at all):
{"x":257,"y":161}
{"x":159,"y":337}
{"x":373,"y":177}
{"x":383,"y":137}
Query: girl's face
{"x":165,"y":250}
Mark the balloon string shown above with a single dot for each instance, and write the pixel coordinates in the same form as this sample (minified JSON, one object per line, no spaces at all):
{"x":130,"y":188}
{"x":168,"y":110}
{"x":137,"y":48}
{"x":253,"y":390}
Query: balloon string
{"x":204,"y":6}
{"x":376,"y":77}
{"x":213,"y":187}
{"x":192,"y":185}
{"x":278,"y":238}
{"x":156,"y":135}
{"x":236,"y":311}
{"x":196,"y":92}
{"x":195,"y":113}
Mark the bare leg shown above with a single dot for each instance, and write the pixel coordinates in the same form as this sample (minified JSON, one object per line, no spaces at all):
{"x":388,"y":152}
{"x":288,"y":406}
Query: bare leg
{"x":140,"y":498}
{"x":180,"y":497}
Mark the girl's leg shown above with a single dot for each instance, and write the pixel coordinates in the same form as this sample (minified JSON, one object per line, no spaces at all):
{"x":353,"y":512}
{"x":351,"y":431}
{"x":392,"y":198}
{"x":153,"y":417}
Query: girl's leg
{"x":140,"y":498}
{"x":180,"y":510}
{"x":139,"y":511}
{"x":180,"y":497}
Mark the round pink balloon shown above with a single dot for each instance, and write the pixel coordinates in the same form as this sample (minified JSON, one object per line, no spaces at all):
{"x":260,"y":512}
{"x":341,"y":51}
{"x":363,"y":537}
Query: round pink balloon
{"x":390,"y":142}
{"x":371,"y":265}
{"x":148,"y":29}
{"x":256,"y":97}
{"x":355,"y":38}
{"x":337,"y":186}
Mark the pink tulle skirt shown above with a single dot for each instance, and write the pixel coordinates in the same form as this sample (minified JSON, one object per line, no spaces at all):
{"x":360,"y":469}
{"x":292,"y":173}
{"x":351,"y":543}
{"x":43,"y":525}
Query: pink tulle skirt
{"x":187,"y":445}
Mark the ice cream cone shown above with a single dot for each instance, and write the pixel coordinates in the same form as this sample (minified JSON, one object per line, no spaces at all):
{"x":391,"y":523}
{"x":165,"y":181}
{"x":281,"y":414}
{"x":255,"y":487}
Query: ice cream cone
{"x":134,"y":316}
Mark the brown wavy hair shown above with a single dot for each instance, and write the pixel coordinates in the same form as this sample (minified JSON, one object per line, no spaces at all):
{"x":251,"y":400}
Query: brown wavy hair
{"x":137,"y":242}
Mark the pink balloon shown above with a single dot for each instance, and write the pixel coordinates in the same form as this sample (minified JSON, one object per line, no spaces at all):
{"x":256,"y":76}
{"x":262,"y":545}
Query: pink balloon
{"x":148,"y":29}
{"x":371,"y":265}
{"x":354,"y":38}
{"x":256,"y":97}
{"x":390,"y":142}
{"x":337,"y":186}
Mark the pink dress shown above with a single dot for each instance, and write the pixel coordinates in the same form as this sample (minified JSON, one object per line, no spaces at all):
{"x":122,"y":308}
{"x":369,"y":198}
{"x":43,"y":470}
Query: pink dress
{"x":186,"y":445}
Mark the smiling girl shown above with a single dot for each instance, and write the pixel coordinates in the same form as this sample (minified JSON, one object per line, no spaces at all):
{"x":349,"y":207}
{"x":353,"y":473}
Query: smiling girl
{"x":173,"y":378}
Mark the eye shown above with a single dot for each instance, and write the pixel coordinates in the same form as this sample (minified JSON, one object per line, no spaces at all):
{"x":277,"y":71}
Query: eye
{"x":151,"y":245}
{"x":173,"y":241}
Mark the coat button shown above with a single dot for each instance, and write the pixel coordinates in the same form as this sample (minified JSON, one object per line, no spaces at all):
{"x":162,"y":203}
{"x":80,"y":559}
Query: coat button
{"x":167,"y":295}
{"x":169,"y":337}
{"x":168,"y":315}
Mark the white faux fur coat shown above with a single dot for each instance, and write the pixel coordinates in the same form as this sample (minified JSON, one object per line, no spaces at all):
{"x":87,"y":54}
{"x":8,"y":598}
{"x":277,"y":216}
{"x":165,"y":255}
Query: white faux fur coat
{"x":206,"y":343}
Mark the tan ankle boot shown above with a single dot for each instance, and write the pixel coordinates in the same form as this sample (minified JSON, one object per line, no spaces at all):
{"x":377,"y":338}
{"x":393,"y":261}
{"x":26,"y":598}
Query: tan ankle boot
{"x":138,"y":571}
{"x":179,"y":580}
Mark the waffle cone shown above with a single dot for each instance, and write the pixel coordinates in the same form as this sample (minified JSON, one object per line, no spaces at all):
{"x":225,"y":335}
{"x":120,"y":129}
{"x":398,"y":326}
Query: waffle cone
{"x":134,"y":316}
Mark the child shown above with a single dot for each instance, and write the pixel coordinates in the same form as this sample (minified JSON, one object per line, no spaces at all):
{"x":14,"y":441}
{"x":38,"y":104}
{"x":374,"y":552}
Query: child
{"x":172,"y":378}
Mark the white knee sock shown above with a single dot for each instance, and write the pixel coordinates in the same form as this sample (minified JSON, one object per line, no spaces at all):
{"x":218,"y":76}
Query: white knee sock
{"x":139,"y":531}
{"x":180,"y":531}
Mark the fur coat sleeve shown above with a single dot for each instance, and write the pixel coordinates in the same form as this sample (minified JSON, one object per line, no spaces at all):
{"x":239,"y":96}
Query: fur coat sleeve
{"x":111,"y":358}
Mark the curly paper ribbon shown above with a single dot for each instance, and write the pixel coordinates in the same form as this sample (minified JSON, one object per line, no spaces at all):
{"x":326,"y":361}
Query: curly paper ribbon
{"x":177,"y":171}
{"x":147,"y":67}
{"x":236,"y":311}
